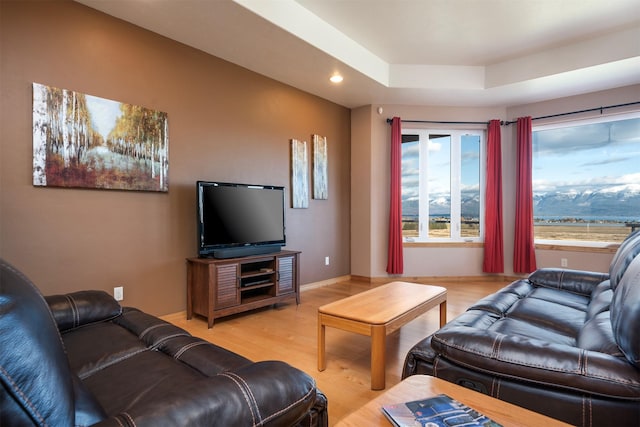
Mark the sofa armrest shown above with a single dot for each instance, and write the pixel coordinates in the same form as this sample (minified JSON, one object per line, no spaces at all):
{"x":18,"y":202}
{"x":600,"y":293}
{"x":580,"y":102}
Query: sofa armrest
{"x":527,"y":359}
{"x":81,"y":308}
{"x":577,"y":281}
{"x":269,"y":393}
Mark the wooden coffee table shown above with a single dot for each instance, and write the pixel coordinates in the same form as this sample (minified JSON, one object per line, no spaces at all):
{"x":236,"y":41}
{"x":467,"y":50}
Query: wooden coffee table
{"x":377,"y":313}
{"x":418,"y":387}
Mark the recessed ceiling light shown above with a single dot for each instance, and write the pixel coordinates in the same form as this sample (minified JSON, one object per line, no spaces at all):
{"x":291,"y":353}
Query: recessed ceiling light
{"x":336,"y":78}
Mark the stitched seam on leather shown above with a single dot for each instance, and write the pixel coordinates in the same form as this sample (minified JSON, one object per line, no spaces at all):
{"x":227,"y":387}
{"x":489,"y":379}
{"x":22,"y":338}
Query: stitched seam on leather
{"x":519,"y":362}
{"x":184,"y":348}
{"x":165,"y":339}
{"x":110,"y":363}
{"x":150,"y":328}
{"x":495,"y":348}
{"x":85,"y":325}
{"x":288,"y":407}
{"x":25,"y":399}
{"x":129,"y":418}
{"x":74,"y":310}
{"x":502,"y":359}
{"x":124,"y":420}
{"x":244,"y":394}
{"x":250,"y":394}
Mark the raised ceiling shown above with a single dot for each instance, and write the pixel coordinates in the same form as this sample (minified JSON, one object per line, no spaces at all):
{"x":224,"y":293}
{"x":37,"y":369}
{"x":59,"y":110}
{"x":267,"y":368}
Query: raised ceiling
{"x":412,"y":52}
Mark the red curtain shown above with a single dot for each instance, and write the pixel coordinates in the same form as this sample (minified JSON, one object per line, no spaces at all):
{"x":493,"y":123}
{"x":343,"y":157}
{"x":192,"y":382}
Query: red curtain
{"x":493,"y":241}
{"x":524,"y":256}
{"x":395,"y":260}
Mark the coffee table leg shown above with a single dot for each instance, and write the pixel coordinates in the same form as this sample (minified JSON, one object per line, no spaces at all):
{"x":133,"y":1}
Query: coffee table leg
{"x":443,"y":313}
{"x":378,"y":344}
{"x":322,"y":363}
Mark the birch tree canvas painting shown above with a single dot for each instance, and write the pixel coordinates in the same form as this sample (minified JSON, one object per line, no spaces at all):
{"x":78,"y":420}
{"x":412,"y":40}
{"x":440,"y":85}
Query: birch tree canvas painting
{"x":299,"y":174}
{"x":83,"y":141}
{"x":320,"y":179}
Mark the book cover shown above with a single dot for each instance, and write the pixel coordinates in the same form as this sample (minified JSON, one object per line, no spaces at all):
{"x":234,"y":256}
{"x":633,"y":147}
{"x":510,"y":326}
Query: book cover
{"x":438,"y":411}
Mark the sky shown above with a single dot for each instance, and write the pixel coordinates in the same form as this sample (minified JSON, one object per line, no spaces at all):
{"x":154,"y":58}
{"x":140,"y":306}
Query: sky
{"x":104,"y":113}
{"x":592,"y":156}
{"x":439,"y":165}
{"x":569,"y":159}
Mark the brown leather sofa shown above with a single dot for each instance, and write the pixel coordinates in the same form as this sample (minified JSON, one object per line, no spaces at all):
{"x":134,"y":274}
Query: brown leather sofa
{"x":564,"y":343}
{"x":80,"y":359}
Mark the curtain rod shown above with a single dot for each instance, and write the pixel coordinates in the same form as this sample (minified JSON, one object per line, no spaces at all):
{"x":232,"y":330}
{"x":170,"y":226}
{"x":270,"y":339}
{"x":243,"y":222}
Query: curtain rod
{"x":515,"y":121}
{"x":576,"y":112}
{"x":440,"y":122}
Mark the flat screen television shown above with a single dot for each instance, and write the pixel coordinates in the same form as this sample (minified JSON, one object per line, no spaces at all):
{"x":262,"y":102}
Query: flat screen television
{"x":236,"y":220}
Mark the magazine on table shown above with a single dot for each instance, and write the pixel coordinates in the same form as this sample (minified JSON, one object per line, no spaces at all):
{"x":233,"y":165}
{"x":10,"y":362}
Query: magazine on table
{"x":438,"y":411}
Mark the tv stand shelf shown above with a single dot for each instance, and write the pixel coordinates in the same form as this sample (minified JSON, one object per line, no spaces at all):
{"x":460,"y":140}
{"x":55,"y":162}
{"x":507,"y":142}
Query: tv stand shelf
{"x":222,"y":287}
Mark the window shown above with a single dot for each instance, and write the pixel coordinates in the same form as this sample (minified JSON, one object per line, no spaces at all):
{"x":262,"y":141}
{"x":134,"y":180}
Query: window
{"x":586,"y":179}
{"x":442,"y":195}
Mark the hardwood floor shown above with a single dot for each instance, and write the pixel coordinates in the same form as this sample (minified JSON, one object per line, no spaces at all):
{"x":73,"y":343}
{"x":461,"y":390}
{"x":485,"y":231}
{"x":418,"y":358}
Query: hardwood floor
{"x":288,"y":332}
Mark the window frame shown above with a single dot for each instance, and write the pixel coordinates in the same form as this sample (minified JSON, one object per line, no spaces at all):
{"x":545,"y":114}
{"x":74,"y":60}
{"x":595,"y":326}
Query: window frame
{"x":455,"y":194}
{"x":585,"y":121}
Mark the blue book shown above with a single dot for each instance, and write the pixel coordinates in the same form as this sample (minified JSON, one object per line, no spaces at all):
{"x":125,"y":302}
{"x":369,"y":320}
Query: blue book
{"x":438,"y":411}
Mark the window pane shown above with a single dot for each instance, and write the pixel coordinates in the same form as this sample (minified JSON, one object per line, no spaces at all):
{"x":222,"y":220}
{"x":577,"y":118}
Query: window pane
{"x":410,"y":180}
{"x":441,"y":191}
{"x":470,"y":186}
{"x":586,"y":181}
{"x":439,"y":186}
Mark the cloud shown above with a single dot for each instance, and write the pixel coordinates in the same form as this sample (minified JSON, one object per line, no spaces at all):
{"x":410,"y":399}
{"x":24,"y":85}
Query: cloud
{"x":434,"y":146}
{"x":572,"y":139}
{"x":606,"y":161}
{"x":581,"y":185}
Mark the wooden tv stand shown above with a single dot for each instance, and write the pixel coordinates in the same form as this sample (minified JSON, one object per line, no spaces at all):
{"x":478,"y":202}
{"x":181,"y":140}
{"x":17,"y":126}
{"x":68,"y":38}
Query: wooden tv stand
{"x":222,"y":287}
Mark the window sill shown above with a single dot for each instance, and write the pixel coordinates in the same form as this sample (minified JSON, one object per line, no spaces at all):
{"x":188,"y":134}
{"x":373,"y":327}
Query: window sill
{"x":442,"y":244}
{"x":592,"y":247}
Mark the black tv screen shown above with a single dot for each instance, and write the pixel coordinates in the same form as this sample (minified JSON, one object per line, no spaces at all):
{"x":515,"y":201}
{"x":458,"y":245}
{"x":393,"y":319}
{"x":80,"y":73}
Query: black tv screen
{"x":239,"y":219}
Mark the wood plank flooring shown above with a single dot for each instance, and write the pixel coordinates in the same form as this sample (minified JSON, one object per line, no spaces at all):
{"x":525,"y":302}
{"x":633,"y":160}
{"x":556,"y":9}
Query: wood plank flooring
{"x":288,"y":332}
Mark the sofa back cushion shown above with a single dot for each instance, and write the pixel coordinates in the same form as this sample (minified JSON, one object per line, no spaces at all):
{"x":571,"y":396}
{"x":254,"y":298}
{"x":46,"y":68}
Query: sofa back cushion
{"x":627,"y":251}
{"x":625,"y":312}
{"x":33,"y":367}
{"x":37,"y":386}
{"x":82,"y":308}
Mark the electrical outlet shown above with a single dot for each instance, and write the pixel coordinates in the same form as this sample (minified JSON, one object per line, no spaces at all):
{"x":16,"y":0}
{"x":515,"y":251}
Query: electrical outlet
{"x":326,"y":260}
{"x":563,"y":262}
{"x":118,"y":293}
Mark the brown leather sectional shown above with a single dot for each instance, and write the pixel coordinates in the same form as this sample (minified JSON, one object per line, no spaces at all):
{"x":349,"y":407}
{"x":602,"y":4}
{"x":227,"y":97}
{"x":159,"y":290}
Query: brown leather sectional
{"x":82,"y":360}
{"x":564,"y":343}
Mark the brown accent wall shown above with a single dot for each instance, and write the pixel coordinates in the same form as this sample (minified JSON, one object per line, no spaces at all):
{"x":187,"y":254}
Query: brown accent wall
{"x":225,"y":123}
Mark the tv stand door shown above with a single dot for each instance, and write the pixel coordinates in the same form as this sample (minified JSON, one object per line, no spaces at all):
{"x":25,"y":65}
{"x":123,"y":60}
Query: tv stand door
{"x":286,"y":274}
{"x":226,"y":290}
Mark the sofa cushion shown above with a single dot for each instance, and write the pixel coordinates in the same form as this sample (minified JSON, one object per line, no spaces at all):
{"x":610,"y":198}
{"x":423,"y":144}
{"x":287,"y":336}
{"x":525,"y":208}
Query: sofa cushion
{"x":81,"y":308}
{"x":96,"y":347}
{"x":33,"y":361}
{"x":625,"y":312}
{"x":600,"y":299}
{"x":597,"y":335}
{"x":627,"y":251}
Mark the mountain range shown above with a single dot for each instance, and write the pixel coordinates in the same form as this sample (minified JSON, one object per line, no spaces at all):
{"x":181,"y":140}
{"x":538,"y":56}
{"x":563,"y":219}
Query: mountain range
{"x":622,"y":201}
{"x":613,"y":202}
